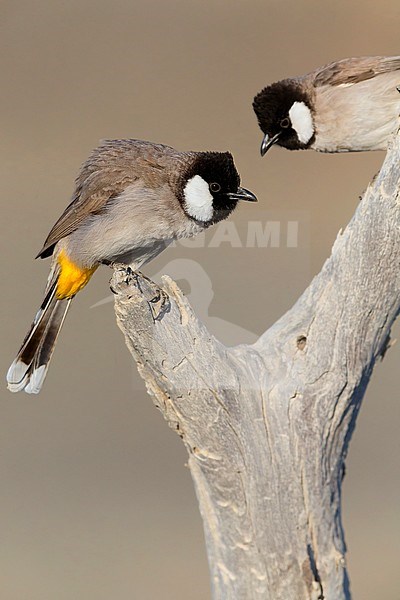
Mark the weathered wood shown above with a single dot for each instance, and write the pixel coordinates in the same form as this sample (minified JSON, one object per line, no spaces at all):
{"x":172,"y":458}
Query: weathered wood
{"x":267,"y":427}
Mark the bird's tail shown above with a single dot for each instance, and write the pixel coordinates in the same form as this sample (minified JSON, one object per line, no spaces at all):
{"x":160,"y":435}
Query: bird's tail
{"x":29,"y":368}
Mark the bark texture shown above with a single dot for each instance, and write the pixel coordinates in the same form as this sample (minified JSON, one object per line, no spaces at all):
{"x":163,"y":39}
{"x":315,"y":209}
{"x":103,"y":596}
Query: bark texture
{"x":267,"y":426}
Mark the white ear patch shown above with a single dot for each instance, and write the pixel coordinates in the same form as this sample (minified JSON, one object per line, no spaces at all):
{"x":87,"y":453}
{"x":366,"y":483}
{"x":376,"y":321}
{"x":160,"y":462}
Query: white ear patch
{"x":198,"y":199}
{"x":302,"y":123}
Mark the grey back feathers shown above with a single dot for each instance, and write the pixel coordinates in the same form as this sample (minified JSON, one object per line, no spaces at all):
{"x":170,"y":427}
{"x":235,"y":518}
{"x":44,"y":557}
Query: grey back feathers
{"x":354,"y":70}
{"x":109,"y":170}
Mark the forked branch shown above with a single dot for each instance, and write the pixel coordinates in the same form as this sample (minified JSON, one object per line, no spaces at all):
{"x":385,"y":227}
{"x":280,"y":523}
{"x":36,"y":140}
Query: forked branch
{"x":267,"y":426}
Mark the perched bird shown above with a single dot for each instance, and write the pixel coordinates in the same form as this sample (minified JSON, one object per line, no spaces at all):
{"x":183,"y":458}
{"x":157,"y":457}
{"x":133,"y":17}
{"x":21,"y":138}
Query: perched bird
{"x":132,"y":198}
{"x":346,"y":106}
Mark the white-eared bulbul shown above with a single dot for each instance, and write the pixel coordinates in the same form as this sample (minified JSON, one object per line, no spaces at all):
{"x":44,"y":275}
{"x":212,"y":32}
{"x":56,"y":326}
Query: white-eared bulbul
{"x":132,"y":198}
{"x":347,"y":106}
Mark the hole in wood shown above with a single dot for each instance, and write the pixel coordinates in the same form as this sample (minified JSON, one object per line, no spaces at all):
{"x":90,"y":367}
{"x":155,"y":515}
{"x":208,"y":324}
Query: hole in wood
{"x":301,"y":342}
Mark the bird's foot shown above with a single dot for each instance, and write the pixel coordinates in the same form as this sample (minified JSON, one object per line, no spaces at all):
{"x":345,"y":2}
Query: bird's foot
{"x":157,"y":299}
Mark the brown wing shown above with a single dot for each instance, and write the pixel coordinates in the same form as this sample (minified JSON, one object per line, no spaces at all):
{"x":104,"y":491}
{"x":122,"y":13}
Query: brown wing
{"x":355,"y":70}
{"x":90,"y":199}
{"x":108,"y":171}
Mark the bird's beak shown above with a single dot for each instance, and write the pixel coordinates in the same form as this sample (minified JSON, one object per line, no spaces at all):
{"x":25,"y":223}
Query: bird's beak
{"x":268,"y":142}
{"x":243,"y":194}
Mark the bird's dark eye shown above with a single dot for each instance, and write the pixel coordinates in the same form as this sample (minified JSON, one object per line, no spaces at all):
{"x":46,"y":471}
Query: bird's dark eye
{"x":215,"y":187}
{"x":285,"y":123}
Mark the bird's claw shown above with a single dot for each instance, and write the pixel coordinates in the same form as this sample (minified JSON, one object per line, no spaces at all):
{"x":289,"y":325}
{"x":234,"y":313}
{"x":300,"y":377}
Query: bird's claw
{"x":156,"y":298}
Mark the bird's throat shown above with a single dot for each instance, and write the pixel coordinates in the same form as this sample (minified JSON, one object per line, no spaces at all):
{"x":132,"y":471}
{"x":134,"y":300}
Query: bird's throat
{"x":72,"y":278}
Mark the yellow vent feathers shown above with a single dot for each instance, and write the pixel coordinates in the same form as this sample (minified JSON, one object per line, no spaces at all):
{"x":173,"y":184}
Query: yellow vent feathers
{"x":72,"y":278}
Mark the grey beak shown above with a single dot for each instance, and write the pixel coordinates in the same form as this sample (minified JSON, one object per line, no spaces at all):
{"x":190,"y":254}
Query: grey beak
{"x":268,"y":142}
{"x":243,"y":194}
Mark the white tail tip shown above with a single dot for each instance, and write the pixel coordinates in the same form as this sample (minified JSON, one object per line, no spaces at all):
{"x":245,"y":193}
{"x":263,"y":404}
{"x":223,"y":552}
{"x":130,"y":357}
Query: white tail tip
{"x":36,"y":380}
{"x":17,"y":376}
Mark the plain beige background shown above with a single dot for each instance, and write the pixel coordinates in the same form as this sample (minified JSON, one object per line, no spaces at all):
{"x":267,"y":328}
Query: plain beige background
{"x":95,"y":500}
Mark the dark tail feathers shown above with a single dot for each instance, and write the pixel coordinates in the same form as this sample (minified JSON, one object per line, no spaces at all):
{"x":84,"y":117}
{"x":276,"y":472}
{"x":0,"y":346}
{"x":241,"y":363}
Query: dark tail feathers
{"x":29,"y":369}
